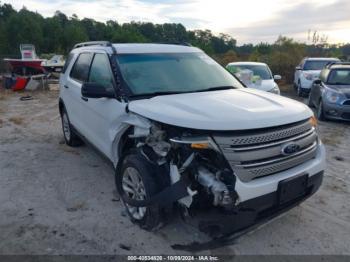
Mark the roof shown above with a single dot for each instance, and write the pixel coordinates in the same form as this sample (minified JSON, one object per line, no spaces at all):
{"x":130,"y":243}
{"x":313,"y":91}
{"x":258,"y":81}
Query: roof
{"x":246,"y":63}
{"x":133,"y":48}
{"x":340,"y":66}
{"x":154,"y":48}
{"x":322,"y":59}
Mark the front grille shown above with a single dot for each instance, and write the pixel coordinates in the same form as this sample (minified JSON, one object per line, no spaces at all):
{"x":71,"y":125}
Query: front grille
{"x":258,"y":153}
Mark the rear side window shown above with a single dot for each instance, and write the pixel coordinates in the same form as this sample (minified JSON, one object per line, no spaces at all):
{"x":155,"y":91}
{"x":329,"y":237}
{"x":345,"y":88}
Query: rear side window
{"x":68,"y":61}
{"x":81,"y":67}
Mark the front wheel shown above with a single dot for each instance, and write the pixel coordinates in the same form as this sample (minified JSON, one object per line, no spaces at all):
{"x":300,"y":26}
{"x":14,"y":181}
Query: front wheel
{"x":309,"y":101}
{"x":299,"y":90}
{"x":136,"y":180}
{"x":320,"y":111}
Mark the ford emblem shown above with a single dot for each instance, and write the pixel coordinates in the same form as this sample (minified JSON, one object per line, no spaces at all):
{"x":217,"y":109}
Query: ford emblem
{"x":290,"y":148}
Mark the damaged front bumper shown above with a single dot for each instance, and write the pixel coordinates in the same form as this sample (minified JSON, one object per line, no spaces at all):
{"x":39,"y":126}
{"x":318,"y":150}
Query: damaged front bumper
{"x":259,"y":209}
{"x":201,"y":179}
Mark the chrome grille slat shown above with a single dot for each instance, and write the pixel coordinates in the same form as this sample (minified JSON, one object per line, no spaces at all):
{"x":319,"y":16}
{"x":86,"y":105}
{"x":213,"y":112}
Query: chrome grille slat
{"x":257,"y":164}
{"x":259,"y":153}
{"x":311,"y":131}
{"x":274,"y":168}
{"x":267,"y":136}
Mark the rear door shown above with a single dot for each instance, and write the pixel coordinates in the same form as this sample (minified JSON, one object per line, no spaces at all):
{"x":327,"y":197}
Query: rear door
{"x":72,"y":86}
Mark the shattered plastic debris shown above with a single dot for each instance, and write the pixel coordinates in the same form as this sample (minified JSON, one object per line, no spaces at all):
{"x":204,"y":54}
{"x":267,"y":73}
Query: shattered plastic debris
{"x":175,"y":177}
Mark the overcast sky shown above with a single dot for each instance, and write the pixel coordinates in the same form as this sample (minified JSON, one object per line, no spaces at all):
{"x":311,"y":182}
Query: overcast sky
{"x":248,"y":21}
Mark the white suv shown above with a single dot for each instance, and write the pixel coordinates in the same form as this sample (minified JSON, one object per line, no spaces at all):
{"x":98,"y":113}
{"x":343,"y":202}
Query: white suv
{"x":308,"y":71}
{"x":182,"y":131}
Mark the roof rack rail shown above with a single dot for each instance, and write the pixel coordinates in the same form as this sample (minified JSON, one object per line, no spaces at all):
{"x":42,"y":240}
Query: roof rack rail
{"x":102,"y":43}
{"x":175,"y":43}
{"x":96,"y":43}
{"x":336,"y":63}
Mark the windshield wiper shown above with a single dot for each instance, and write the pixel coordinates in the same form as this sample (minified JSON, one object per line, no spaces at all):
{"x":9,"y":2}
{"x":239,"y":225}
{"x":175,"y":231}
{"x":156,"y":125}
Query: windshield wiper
{"x":159,"y":93}
{"x":216,"y":88}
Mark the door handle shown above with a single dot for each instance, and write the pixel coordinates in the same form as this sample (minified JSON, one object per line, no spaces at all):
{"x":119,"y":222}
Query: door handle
{"x":85,"y":99}
{"x":65,"y":86}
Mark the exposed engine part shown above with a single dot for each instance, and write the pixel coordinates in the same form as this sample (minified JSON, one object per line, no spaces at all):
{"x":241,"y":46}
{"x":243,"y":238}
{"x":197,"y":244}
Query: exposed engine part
{"x":215,"y":186}
{"x":160,"y":147}
{"x":154,"y":136}
{"x":175,"y":177}
{"x":186,"y":163}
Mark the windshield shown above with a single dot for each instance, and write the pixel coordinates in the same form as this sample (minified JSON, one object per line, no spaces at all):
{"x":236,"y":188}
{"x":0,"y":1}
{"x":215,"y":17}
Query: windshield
{"x":173,"y":73}
{"x":316,"y":65}
{"x":261,"y":71}
{"x":339,"y":77}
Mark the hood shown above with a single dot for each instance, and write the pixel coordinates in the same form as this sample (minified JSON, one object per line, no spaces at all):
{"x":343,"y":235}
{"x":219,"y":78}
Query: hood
{"x":233,"y":109}
{"x":264,"y":85}
{"x":345,"y":89}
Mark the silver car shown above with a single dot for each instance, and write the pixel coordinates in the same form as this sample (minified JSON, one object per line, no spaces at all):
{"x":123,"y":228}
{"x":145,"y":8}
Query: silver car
{"x":330,"y":94}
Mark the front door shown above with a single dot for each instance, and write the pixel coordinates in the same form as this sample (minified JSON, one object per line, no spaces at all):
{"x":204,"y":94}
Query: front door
{"x":103,"y":115}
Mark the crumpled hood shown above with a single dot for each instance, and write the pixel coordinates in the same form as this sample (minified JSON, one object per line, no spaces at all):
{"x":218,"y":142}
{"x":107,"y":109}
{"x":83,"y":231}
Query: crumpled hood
{"x":233,"y":109}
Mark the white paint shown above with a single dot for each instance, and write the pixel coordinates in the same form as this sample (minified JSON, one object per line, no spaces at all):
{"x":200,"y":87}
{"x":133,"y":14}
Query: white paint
{"x":234,"y":109}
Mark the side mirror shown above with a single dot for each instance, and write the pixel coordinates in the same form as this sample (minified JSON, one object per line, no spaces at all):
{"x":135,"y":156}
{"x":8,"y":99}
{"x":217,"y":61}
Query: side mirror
{"x":277,"y":77}
{"x":297,"y":68}
{"x":95,"y":90}
{"x":317,"y":82}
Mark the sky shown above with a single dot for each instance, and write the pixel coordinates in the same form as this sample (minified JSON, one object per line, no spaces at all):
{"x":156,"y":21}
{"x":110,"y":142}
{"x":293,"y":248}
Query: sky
{"x":248,"y":21}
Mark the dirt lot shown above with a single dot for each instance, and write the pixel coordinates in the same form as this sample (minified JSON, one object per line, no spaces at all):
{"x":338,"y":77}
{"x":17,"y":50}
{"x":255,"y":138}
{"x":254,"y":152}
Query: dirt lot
{"x":59,"y":200}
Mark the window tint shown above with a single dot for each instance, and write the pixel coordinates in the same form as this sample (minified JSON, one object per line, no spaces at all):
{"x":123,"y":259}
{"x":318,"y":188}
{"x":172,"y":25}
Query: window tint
{"x":175,"y":72}
{"x":100,"y":71}
{"x":81,"y":67}
{"x":68,"y":61}
{"x":339,"y":77}
{"x":260,"y":71}
{"x":316,"y":64}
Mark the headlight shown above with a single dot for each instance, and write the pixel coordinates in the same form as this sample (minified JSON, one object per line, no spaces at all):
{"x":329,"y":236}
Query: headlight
{"x":313,"y":121}
{"x":275,"y":90}
{"x":197,"y":142}
{"x":308,"y":76}
{"x":333,"y":97}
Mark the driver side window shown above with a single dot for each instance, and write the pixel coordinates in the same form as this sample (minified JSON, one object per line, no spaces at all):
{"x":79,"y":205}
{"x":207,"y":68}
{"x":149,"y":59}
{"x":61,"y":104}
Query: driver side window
{"x":101,"y":72}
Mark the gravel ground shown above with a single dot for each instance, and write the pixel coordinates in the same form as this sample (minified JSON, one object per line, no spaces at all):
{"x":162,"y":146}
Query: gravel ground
{"x":61,"y":200}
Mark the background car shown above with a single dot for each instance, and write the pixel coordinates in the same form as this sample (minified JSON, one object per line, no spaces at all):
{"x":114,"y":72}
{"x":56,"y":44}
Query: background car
{"x":331,"y":93}
{"x":309,"y":70}
{"x":255,"y":75}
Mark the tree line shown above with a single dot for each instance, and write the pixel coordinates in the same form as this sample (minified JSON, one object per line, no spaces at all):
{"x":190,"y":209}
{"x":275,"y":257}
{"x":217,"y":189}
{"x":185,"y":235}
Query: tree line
{"x":59,"y":33}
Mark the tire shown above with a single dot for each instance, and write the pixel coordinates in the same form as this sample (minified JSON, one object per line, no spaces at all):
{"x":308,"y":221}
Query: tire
{"x":70,"y":137}
{"x":299,"y":91}
{"x":309,"y":101}
{"x":137,"y":174}
{"x":320,"y":112}
{"x":295,"y":86}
